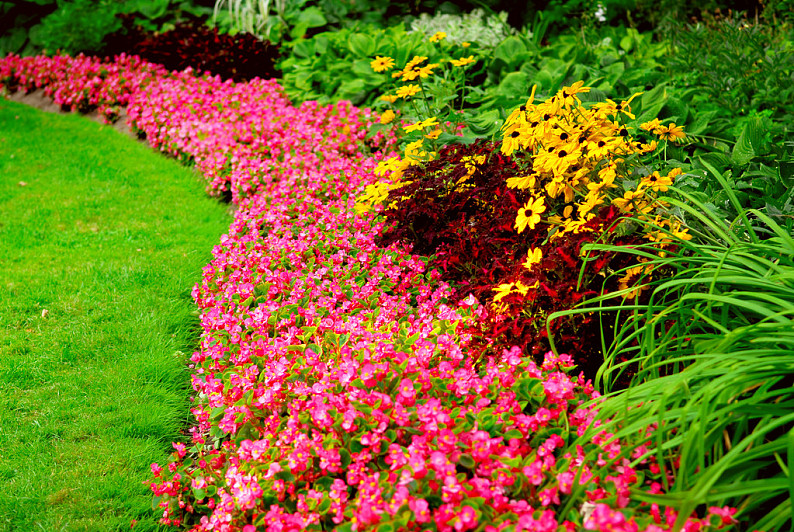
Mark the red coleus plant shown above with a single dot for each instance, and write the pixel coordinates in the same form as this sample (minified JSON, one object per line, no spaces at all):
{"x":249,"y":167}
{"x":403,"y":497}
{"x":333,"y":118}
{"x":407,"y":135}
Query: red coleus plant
{"x":459,"y":209}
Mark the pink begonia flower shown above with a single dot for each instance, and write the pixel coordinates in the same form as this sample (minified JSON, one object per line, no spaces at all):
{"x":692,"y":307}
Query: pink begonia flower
{"x":725,"y":513}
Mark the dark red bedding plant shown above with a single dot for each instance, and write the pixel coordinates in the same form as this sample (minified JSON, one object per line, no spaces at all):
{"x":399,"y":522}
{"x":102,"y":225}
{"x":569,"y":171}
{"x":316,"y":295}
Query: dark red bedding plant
{"x":459,"y":209}
{"x":192,"y":43}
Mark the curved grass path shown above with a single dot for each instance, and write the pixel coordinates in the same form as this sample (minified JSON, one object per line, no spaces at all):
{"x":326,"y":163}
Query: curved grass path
{"x":109,"y":237}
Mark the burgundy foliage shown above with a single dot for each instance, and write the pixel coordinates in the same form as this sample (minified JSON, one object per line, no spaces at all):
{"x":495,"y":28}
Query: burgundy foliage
{"x":470,"y":232}
{"x":241,"y":57}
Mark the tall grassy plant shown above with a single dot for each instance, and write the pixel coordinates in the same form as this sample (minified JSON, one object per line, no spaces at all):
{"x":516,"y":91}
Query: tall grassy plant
{"x":711,"y":358}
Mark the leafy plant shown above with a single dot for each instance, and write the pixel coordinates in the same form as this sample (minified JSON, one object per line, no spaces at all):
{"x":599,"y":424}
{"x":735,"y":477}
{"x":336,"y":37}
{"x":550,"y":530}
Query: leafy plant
{"x":477,"y":26}
{"x":713,"y":360}
{"x":272,"y":21}
{"x":193,"y":44}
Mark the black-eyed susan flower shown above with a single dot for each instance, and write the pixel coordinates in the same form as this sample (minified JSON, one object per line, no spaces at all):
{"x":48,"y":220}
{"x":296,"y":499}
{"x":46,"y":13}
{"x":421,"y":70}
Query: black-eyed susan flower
{"x":426,"y":71}
{"x":463,"y":61}
{"x":529,"y":214}
{"x":534,"y":256}
{"x":387,"y":117}
{"x":407,"y":91}
{"x":416,"y":61}
{"x":437,"y":36}
{"x":522,"y":182}
{"x":381,"y":64}
{"x":671,"y":132}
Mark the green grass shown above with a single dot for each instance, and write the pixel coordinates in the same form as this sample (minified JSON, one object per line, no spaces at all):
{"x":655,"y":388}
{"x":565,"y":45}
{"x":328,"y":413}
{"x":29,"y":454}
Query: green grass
{"x":109,"y":237}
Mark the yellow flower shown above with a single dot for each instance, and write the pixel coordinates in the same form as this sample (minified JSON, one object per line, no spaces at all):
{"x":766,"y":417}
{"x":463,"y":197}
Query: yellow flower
{"x":437,"y":36}
{"x":651,"y":126}
{"x":432,"y":121}
{"x":657,"y":182}
{"x":463,"y":61}
{"x":465,"y":44}
{"x":413,"y":127}
{"x":426,"y":71}
{"x":511,"y":139}
{"x":529,"y":214}
{"x":410,"y":75}
{"x":391,"y":98}
{"x":381,"y":64}
{"x":627,"y":202}
{"x":387,"y":116}
{"x":534,"y":256}
{"x":523,"y":182}
{"x":433,"y":135}
{"x":671,"y":132}
{"x":633,"y":276}
{"x":415,"y":62}
{"x":407,"y":91}
{"x":567,"y":95}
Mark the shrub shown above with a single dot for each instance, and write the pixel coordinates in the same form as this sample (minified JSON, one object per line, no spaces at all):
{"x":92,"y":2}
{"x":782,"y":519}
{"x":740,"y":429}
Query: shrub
{"x":475,"y":27}
{"x":193,"y":44}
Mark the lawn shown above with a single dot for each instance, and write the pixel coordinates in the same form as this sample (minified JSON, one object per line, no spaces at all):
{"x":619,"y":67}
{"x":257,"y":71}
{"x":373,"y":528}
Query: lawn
{"x":101,"y":242}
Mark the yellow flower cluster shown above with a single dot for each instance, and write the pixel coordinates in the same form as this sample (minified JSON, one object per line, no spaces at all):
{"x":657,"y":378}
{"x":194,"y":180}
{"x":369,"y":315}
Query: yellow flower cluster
{"x":575,"y":155}
{"x":574,"y":158}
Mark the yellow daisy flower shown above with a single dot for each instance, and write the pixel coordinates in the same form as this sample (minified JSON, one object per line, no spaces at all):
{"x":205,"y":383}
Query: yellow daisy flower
{"x":534,"y":256}
{"x":407,"y":91}
{"x":463,"y":61}
{"x":437,"y":36}
{"x":381,"y":64}
{"x":529,"y":214}
{"x":387,"y":116}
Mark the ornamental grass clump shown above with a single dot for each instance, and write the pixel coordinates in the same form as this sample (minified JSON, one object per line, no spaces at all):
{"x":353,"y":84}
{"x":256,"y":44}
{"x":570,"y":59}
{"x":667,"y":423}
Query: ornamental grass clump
{"x":713,"y":358}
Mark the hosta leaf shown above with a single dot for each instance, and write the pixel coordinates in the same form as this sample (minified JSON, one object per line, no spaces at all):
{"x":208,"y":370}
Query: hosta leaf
{"x":748,"y":144}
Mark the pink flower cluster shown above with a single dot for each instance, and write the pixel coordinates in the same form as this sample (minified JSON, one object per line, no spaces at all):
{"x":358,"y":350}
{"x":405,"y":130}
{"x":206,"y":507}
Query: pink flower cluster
{"x":333,"y":388}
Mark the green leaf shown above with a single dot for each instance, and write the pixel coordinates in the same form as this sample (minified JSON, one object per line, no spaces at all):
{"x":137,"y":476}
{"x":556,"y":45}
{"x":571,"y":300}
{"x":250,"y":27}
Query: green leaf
{"x":515,"y":84}
{"x":748,"y":144}
{"x":512,"y":51}
{"x":311,"y":17}
{"x":361,"y":44}
{"x":466,"y":461}
{"x":344,"y":458}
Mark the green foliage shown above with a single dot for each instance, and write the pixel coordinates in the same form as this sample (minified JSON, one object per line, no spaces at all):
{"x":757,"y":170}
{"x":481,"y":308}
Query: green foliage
{"x":74,"y":26}
{"x":336,"y":64}
{"x":736,"y":64}
{"x":712,"y":359}
{"x":478,"y":26}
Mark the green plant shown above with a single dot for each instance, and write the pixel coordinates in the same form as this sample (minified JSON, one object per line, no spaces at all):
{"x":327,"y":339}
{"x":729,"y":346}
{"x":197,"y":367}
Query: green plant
{"x":272,"y":21}
{"x":711,"y":359}
{"x":477,"y":26}
{"x":74,"y":26}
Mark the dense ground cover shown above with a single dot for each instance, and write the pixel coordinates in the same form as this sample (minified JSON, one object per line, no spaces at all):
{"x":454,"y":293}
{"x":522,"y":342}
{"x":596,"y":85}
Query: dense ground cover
{"x":99,"y":250}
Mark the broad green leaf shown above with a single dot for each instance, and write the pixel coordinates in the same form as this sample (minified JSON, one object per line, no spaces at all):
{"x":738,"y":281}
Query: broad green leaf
{"x":512,"y":51}
{"x":361,"y":44}
{"x":748,"y":143}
